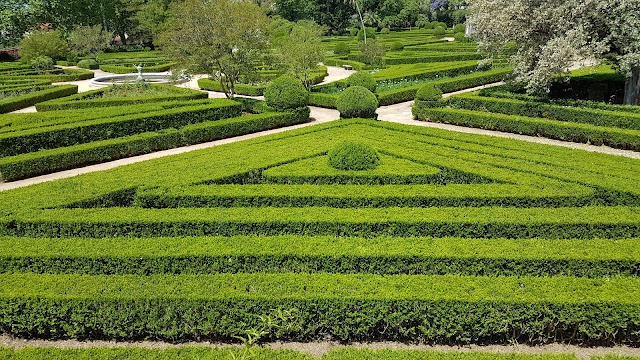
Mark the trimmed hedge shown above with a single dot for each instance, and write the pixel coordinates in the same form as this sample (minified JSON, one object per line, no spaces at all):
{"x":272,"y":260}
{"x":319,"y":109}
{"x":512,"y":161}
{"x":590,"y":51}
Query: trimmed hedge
{"x":482,"y":222}
{"x":447,"y":309}
{"x":418,"y":58}
{"x":446,"y":85}
{"x":425,"y":71}
{"x":65,"y":75}
{"x":561,"y":130}
{"x":130,"y":69}
{"x":48,"y":161}
{"x":52,"y":137}
{"x":591,"y":258}
{"x":357,"y":102}
{"x":286,"y":93}
{"x":137,"y":353}
{"x":92,"y":99}
{"x":241,"y":89}
{"x":24,"y":101}
{"x":596,"y":117}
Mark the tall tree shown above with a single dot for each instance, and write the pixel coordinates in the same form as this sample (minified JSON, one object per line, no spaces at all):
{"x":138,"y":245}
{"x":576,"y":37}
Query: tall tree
{"x":301,"y":50}
{"x":550,"y":35}
{"x":16,"y":17}
{"x":222,"y":38}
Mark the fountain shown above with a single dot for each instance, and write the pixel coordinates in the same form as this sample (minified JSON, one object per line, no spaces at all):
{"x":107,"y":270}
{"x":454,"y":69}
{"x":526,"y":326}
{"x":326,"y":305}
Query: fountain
{"x":150,"y":78}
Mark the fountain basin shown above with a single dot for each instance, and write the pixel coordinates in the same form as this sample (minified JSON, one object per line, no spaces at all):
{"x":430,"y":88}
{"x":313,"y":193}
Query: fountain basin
{"x":150,"y":78}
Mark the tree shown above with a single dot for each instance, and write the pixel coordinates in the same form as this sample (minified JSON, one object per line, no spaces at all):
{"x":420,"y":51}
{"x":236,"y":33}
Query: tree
{"x":43,"y":43}
{"x":550,"y":35}
{"x":302,"y":50}
{"x":222,"y":38}
{"x":356,"y":5}
{"x":89,"y":40}
{"x":16,"y":17}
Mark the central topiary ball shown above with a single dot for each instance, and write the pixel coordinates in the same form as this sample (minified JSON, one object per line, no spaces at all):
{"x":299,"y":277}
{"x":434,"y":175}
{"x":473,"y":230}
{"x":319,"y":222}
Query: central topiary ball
{"x":353,"y":156}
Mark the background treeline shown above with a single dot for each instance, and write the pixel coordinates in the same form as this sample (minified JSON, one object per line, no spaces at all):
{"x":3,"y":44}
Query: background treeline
{"x":139,"y":21}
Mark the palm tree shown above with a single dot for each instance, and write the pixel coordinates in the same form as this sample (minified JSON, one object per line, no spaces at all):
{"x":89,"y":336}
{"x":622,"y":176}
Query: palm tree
{"x":355,"y":4}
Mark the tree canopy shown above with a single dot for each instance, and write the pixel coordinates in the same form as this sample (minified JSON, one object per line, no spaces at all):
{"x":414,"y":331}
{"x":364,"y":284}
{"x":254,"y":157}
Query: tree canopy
{"x":548,"y":36}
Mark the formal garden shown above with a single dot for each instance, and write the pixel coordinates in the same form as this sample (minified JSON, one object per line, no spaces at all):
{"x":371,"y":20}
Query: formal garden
{"x":292,"y":217}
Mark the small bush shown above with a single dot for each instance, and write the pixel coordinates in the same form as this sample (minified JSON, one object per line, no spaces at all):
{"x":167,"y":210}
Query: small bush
{"x":357,"y":102}
{"x":353,"y":32}
{"x":397,"y":46}
{"x":459,"y":36}
{"x":385,"y":31}
{"x":459,"y":28}
{"x":372,"y":52}
{"x":444,"y":25}
{"x":427,"y":25}
{"x":352,"y":156}
{"x":363,"y":79}
{"x":42,"y":63}
{"x":429,"y":93}
{"x":434,"y":24}
{"x":371,"y":34}
{"x":439,"y":30}
{"x":342,"y":49}
{"x":43,"y":43}
{"x":88,"y":64}
{"x":285,"y":93}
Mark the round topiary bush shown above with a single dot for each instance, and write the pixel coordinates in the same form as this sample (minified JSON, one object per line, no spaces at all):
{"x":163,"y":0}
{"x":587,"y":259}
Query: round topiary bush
{"x":385,"y":31}
{"x":459,"y":28}
{"x":342,"y":49}
{"x":397,"y":46}
{"x":42,"y":63}
{"x":427,"y":25}
{"x":371,"y":34}
{"x":88,"y":64}
{"x":429,"y":93}
{"x":357,"y":101}
{"x":459,"y":36}
{"x":353,"y":32}
{"x":439,"y":30}
{"x":286,"y":93}
{"x":352,"y":156}
{"x":363,"y":79}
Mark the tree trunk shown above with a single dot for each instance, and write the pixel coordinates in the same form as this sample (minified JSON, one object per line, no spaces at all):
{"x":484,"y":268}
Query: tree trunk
{"x":632,"y":88}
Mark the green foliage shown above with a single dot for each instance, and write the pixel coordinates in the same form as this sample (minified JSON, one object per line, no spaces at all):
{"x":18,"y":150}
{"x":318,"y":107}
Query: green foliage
{"x":342,"y":48}
{"x":42,"y":64}
{"x":459,"y":36}
{"x":362,"y":78}
{"x":357,"y":102}
{"x":89,"y":40}
{"x":96,"y":98}
{"x":43,"y":43}
{"x":302,"y":50}
{"x":385,"y":31}
{"x":439,"y":30}
{"x":33,"y":98}
{"x":353,"y":156}
{"x":397,"y":46}
{"x":429,"y":92}
{"x":427,"y":25}
{"x":372,"y":52}
{"x":459,"y":28}
{"x":371,"y":34}
{"x":567,"y":131}
{"x":129,"y":69}
{"x":88,"y":64}
{"x":286,"y":93}
{"x":388,"y":354}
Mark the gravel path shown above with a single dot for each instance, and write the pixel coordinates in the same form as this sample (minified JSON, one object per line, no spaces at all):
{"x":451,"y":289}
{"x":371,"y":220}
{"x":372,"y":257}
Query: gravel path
{"x":320,"y":348}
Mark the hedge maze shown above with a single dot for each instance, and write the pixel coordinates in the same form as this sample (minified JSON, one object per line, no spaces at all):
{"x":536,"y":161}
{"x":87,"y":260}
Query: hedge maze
{"x":451,"y":239}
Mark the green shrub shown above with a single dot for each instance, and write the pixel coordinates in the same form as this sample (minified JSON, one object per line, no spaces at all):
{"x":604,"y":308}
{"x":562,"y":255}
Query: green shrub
{"x":427,"y":25}
{"x":371,"y":34}
{"x":439,"y":31}
{"x":444,"y":25}
{"x":42,"y":63}
{"x":459,"y":28}
{"x":397,"y":46}
{"x":88,"y":64}
{"x":434,"y":24}
{"x":385,"y":31}
{"x":362,"y":78}
{"x":353,"y":32}
{"x":43,"y":43}
{"x":285,"y":93}
{"x":342,"y":48}
{"x":459,"y":36}
{"x":357,"y":102}
{"x":352,"y":156}
{"x":24,"y":101}
{"x":429,"y":93}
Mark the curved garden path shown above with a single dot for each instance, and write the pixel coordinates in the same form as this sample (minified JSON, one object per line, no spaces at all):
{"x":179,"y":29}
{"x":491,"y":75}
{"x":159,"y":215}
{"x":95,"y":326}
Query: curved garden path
{"x":398,"y":113}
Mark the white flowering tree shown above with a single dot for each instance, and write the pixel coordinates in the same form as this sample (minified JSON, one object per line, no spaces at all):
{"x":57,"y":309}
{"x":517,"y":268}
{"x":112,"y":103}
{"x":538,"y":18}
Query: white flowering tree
{"x":548,"y":36}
